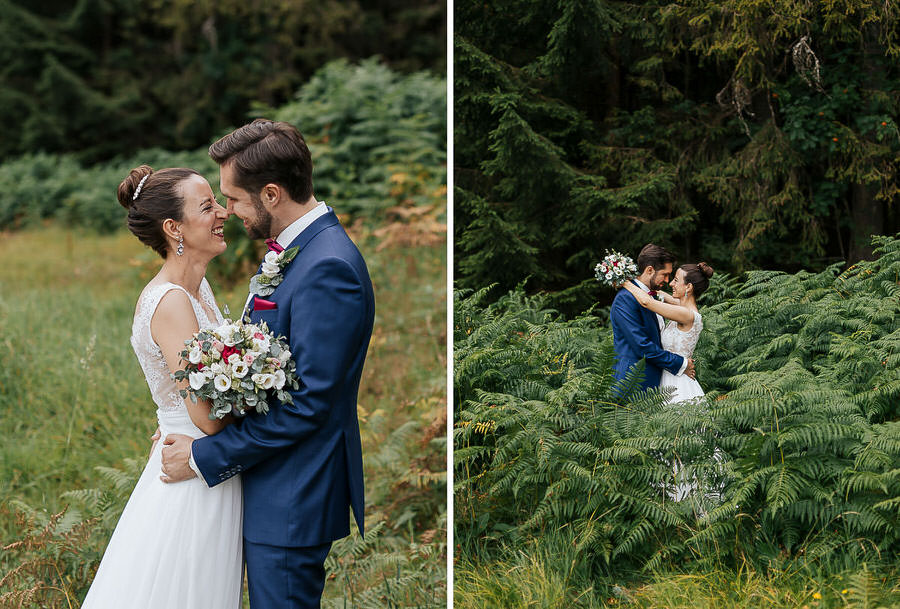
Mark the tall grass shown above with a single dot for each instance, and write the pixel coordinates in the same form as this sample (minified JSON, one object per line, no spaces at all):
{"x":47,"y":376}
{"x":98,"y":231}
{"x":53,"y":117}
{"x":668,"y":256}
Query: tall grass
{"x":73,"y":398}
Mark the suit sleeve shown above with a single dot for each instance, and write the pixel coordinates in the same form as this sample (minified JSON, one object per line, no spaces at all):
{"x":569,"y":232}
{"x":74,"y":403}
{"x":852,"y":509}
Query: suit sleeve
{"x":634,"y":332}
{"x":327,"y":314}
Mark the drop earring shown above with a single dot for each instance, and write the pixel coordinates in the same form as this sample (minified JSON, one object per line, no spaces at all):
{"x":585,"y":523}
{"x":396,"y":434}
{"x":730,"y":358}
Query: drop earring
{"x":180,"y":250}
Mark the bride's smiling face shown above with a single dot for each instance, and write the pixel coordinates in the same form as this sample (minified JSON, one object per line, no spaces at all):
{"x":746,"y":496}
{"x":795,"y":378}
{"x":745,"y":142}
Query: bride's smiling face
{"x":203,"y":218}
{"x":678,"y":284}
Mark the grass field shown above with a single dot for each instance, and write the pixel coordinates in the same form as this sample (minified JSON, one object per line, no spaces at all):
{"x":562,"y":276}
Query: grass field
{"x":72,"y":399}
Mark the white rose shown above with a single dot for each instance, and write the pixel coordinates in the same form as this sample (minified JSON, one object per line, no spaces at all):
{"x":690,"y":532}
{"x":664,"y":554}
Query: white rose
{"x":280,"y":379}
{"x":195,"y":355}
{"x":270,"y":269}
{"x":222,"y":383}
{"x":234,"y":358}
{"x":271,"y":258}
{"x":261,"y":346}
{"x":217,"y":368}
{"x":197,"y":379}
{"x":208,"y":372}
{"x":284,"y":357}
{"x":240,"y":370}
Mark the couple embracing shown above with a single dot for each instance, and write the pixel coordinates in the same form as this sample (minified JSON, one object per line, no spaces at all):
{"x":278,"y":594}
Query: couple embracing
{"x":659,"y":328}
{"x":273,"y":490}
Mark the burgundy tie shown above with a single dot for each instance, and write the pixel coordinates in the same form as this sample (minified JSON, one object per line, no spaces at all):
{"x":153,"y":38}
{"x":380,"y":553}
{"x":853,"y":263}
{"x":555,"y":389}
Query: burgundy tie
{"x":273,"y":246}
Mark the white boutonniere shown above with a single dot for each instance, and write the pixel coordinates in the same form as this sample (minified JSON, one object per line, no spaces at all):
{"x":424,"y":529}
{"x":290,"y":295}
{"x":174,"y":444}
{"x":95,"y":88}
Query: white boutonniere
{"x":272,"y":272}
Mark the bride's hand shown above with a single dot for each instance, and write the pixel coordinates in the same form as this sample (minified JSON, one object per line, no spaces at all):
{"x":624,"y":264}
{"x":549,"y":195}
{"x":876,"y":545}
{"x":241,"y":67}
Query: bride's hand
{"x":155,"y":438}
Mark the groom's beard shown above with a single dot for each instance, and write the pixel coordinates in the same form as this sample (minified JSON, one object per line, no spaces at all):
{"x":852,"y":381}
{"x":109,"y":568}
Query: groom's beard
{"x":262,"y":225}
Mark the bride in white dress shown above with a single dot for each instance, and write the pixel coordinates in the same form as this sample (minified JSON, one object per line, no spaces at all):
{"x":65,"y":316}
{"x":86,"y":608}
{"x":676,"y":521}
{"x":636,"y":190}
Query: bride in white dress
{"x":680,"y":335}
{"x":175,"y":545}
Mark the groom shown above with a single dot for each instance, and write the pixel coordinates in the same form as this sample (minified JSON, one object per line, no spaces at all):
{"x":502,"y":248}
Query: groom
{"x":636,"y":330}
{"x":301,"y":464}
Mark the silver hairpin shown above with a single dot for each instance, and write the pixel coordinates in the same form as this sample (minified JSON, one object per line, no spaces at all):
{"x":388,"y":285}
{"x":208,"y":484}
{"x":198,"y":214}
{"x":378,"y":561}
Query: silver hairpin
{"x":137,"y":190}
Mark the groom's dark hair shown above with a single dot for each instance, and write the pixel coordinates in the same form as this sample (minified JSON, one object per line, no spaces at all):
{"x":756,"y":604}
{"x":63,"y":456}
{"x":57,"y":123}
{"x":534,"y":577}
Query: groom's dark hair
{"x":267,"y":152}
{"x":655,"y":256}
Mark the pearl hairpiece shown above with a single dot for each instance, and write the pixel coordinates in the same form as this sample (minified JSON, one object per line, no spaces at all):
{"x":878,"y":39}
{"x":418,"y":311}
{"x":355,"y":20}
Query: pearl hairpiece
{"x":137,"y":190}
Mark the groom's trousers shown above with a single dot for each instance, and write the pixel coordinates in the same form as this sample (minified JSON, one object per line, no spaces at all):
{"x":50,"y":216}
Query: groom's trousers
{"x":285,"y":578}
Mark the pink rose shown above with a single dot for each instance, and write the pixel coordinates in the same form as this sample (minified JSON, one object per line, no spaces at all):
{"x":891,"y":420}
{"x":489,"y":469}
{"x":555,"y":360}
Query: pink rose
{"x":259,"y":336}
{"x":248,"y":359}
{"x":218,"y":345}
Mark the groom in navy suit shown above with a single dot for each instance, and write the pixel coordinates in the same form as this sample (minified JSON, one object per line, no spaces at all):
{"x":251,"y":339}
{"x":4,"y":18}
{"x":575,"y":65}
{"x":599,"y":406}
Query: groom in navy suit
{"x":636,"y":330}
{"x":301,"y":464}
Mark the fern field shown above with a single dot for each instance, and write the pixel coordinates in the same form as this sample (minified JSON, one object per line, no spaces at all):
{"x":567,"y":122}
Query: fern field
{"x":793,"y":458}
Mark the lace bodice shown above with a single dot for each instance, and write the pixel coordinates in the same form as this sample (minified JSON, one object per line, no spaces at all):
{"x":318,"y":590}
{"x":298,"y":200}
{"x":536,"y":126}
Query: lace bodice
{"x":162,"y":387}
{"x":682,"y":343}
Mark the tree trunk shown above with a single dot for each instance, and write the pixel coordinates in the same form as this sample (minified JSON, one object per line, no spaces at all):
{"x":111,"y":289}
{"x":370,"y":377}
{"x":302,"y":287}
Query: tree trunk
{"x":868,"y":219}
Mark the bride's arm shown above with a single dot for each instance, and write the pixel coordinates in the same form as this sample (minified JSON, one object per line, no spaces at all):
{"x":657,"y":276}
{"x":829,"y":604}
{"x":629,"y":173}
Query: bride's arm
{"x":669,"y":299}
{"x":172,"y":324}
{"x":682,"y":315}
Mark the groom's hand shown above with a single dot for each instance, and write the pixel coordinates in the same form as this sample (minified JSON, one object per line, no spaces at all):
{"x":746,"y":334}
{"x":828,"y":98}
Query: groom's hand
{"x":176,"y":455}
{"x":688,"y":371}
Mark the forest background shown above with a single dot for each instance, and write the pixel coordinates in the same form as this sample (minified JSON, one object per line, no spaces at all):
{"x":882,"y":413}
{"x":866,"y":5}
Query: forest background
{"x":93,"y":88}
{"x":761,"y":137}
{"x":750,"y":135}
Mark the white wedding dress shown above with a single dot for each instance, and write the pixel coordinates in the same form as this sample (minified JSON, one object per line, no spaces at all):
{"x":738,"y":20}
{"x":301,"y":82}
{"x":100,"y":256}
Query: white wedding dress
{"x":686,"y":390}
{"x":178,"y":545}
{"x":682,"y":343}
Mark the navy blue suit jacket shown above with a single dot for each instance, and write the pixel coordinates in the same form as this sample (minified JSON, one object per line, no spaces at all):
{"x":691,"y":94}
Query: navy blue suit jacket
{"x":636,"y":336}
{"x":301,"y":463}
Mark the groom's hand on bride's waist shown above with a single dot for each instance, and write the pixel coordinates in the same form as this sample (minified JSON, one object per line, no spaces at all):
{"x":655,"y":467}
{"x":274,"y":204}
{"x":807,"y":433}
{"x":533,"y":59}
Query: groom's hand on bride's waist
{"x":690,"y":371}
{"x":176,"y":455}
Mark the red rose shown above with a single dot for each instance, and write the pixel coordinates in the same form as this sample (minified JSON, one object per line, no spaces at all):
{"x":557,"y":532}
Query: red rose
{"x":615,"y":264}
{"x":200,"y":366}
{"x":228,"y":351}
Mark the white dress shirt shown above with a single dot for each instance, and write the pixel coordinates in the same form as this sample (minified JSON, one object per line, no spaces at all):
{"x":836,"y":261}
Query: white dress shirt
{"x":661,"y":323}
{"x":284,"y":239}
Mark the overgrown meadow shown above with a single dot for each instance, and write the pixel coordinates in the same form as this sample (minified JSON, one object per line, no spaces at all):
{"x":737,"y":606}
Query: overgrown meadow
{"x":75,"y":412}
{"x":564,"y":492}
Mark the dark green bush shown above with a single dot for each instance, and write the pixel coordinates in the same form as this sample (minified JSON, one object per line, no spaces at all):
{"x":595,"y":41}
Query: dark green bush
{"x":801,"y":374}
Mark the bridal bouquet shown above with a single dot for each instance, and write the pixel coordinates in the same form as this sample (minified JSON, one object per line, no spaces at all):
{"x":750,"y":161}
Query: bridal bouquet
{"x":237,"y":367}
{"x":615,"y":269}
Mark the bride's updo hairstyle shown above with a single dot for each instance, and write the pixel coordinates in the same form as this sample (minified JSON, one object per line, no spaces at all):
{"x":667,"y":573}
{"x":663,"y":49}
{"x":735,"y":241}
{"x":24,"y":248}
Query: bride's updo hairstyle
{"x":151,"y":197}
{"x":698,"y":276}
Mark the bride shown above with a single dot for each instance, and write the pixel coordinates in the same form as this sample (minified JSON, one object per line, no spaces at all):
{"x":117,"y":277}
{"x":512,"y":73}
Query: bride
{"x":175,"y":545}
{"x":682,"y":332}
{"x":680,"y":335}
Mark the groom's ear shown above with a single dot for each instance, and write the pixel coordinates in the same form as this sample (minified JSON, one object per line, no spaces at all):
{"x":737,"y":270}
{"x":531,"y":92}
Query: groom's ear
{"x":271,"y":194}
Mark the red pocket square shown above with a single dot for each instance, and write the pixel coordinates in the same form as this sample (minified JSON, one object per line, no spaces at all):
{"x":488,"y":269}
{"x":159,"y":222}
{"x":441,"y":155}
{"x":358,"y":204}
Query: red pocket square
{"x":260,"y":304}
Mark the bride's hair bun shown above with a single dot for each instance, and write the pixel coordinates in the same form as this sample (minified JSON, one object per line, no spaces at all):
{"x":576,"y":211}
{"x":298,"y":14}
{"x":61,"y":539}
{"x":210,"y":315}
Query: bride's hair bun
{"x":129,"y":186}
{"x":152,"y":197}
{"x":698,"y":276}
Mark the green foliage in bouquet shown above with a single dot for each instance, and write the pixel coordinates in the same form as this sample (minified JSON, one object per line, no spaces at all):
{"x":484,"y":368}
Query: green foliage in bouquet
{"x":795,"y":451}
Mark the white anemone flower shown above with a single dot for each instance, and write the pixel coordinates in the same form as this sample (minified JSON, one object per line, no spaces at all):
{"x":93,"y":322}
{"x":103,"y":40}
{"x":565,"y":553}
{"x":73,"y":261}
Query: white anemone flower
{"x":222,"y":383}
{"x":264,"y":381}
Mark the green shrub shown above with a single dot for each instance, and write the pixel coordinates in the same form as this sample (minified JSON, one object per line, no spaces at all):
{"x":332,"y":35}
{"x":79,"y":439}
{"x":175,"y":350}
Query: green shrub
{"x":802,"y":387}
